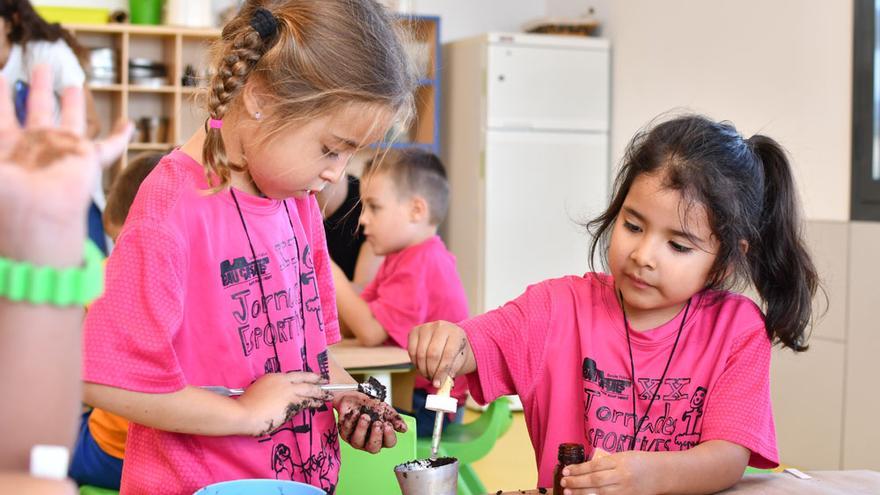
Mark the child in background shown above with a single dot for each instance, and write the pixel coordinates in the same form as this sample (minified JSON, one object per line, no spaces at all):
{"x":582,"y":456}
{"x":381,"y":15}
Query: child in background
{"x":124,"y":189}
{"x":97,"y":457}
{"x":27,"y":39}
{"x":341,"y":206}
{"x":405,"y":198}
{"x":656,"y":362}
{"x":221,"y":275}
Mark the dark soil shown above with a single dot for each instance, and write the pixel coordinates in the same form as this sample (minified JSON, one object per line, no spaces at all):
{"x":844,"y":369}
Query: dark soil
{"x":372,"y":413}
{"x":422,"y":464}
{"x":374,"y":389}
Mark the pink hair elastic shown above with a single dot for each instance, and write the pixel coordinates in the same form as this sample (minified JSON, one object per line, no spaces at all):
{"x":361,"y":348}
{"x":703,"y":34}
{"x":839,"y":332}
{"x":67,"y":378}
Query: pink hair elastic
{"x":215,"y":123}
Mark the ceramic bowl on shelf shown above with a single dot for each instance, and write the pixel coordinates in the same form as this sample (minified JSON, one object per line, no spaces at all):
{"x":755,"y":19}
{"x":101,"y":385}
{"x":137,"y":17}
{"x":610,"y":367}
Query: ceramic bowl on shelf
{"x":147,"y":72}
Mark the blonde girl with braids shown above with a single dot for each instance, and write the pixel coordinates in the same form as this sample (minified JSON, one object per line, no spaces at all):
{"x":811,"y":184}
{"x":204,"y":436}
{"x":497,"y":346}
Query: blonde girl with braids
{"x":221,"y":274}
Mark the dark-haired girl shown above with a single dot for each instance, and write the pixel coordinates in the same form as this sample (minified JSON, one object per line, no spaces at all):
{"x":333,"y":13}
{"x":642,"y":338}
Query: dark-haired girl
{"x":656,"y":362}
{"x":27,"y":39}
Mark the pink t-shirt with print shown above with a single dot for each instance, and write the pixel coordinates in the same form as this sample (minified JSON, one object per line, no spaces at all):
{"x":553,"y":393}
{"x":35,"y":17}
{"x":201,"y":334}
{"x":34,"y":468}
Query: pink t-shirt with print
{"x":183,"y":306}
{"x":418,"y":285}
{"x":562,"y":347}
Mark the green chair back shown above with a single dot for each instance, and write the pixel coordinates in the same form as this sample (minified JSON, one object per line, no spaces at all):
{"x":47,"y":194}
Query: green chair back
{"x":362,"y":472}
{"x":472,"y":441}
{"x":94,"y":490}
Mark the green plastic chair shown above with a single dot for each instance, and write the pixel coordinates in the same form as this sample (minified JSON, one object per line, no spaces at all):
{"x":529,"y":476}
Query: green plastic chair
{"x":94,"y":490}
{"x":471,"y":442}
{"x":362,"y":472}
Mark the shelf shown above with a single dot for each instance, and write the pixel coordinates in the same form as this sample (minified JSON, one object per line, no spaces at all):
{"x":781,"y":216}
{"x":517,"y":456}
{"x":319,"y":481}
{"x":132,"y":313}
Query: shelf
{"x":178,"y":47}
{"x":134,"y":88}
{"x":147,"y":30}
{"x":174,"y":46}
{"x":150,"y":146}
{"x":105,"y":87}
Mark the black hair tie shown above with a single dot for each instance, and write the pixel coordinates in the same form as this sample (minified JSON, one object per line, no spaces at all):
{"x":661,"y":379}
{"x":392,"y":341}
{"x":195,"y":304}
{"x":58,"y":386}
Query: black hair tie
{"x":264,"y":23}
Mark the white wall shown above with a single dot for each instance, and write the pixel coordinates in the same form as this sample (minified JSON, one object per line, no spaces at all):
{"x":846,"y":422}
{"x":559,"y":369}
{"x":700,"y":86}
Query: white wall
{"x":464,"y":18}
{"x":779,"y":67}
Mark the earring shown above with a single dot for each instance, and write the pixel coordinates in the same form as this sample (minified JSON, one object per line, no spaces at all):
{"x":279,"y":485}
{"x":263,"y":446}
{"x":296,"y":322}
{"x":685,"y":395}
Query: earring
{"x":258,"y":115}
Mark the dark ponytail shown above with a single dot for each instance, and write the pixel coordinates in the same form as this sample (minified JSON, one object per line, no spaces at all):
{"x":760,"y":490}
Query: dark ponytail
{"x":747,"y":190}
{"x":781,"y":268}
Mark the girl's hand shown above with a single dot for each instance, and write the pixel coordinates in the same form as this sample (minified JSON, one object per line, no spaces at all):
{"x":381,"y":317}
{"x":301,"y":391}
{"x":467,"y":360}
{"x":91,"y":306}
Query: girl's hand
{"x":366,"y":423}
{"x":274,"y":398}
{"x":630,"y":473}
{"x":440,"y":349}
{"x":47,"y":172}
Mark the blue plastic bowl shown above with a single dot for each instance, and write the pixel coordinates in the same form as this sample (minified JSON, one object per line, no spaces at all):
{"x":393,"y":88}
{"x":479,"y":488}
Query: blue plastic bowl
{"x":259,"y":487}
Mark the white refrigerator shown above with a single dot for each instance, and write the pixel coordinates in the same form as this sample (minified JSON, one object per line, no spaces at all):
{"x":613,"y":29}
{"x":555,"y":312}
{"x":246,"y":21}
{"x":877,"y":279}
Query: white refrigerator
{"x":525,"y":128}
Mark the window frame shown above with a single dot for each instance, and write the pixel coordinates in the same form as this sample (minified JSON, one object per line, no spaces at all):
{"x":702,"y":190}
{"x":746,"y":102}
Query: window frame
{"x":865,"y":182}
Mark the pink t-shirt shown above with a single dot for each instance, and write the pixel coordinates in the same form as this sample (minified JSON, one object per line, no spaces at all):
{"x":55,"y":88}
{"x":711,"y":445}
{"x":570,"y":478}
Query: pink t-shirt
{"x":562,"y":347}
{"x":418,"y":285}
{"x":183,"y":306}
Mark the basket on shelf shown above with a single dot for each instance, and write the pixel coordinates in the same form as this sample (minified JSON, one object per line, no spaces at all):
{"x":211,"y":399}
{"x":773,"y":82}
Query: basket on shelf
{"x":577,"y":26}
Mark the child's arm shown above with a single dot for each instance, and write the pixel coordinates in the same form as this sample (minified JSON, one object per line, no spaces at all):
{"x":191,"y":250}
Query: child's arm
{"x":707,"y":468}
{"x":366,"y":267}
{"x":266,"y":404}
{"x":354,"y":312}
{"x":441,"y":349}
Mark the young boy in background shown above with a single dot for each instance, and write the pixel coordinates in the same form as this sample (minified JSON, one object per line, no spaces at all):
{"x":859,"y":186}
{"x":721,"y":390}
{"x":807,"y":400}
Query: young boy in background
{"x":97,"y":457}
{"x":404,"y":201}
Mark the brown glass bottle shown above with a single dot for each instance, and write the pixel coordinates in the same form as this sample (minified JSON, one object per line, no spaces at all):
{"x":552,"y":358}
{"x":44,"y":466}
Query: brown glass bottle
{"x":569,"y":453}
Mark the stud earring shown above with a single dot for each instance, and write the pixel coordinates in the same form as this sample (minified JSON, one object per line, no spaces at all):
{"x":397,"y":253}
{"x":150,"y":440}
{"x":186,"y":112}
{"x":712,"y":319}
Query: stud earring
{"x":258,"y":115}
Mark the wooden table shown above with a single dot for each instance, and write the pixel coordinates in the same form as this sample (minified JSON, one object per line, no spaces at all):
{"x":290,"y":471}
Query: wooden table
{"x":380,"y":362}
{"x":822,"y":483}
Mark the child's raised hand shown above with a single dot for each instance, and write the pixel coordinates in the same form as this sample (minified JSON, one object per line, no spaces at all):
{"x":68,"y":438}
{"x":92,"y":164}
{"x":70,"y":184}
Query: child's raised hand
{"x":274,"y":398}
{"x":366,"y":423}
{"x":47,"y":171}
{"x":629,"y":472}
{"x":440,"y":349}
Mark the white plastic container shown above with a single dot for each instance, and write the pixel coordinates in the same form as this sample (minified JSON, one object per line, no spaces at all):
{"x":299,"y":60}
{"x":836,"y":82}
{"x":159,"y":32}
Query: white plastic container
{"x":189,"y":13}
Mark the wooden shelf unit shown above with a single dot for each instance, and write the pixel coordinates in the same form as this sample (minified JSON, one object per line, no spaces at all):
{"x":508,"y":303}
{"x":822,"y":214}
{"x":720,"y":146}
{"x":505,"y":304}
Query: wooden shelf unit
{"x":178,"y":46}
{"x":424,"y":130}
{"x":174,"y":46}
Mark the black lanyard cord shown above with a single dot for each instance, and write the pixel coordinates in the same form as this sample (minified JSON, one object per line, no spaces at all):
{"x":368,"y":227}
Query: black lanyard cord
{"x":637,"y":423}
{"x":302,"y":315}
{"x":264,"y":305}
